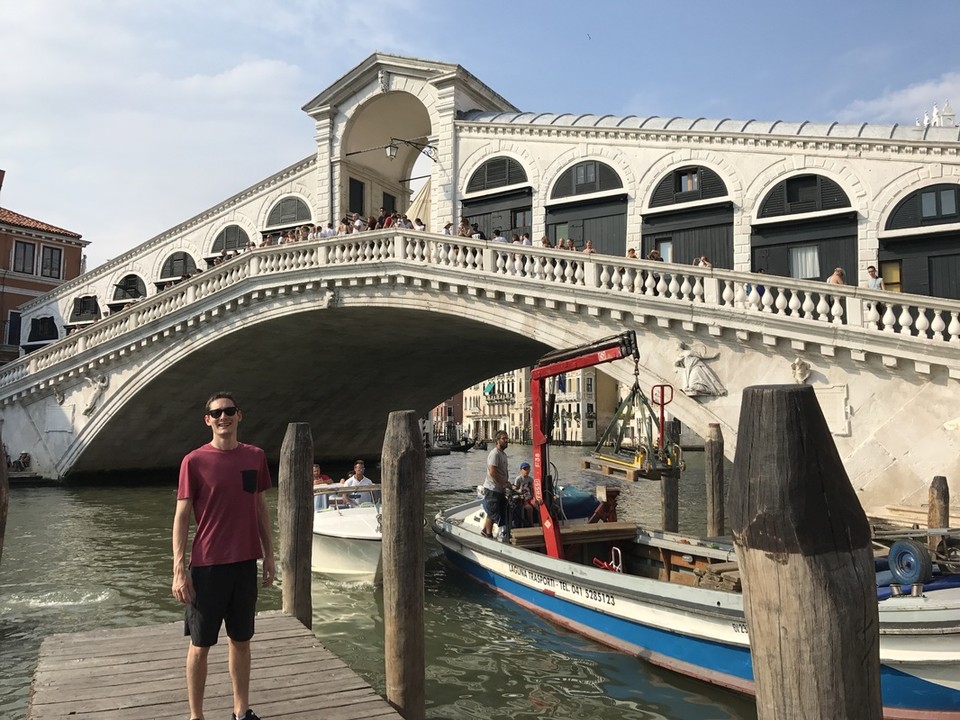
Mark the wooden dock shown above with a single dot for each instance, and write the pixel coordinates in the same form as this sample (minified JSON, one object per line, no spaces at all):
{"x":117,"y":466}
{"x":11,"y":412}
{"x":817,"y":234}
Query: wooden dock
{"x":138,"y":673}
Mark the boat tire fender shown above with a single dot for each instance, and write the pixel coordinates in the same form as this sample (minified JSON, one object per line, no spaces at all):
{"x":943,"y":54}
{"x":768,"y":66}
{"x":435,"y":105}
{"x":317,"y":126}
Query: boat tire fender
{"x":910,"y":562}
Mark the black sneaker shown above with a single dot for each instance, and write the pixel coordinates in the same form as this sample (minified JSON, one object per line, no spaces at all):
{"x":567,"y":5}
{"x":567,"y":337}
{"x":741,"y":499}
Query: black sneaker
{"x":248,"y":715}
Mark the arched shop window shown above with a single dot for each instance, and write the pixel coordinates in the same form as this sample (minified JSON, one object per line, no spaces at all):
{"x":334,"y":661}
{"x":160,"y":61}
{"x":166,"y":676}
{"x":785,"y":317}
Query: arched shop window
{"x":495,"y":173}
{"x":232,"y":237}
{"x":289,"y":211}
{"x":932,"y":205}
{"x":177,"y":266}
{"x":686,"y":185}
{"x":130,"y":288}
{"x":586,"y":177}
{"x":803,"y":194}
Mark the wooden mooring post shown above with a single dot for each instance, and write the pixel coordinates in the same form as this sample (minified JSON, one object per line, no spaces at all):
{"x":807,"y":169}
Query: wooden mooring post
{"x":804,"y":548}
{"x":938,"y":512}
{"x":713,"y":467}
{"x":403,"y":477}
{"x":295,"y":511}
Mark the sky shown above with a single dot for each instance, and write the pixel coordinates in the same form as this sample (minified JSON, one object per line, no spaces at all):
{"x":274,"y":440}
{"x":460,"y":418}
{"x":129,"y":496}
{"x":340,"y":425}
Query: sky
{"x":120,"y":119}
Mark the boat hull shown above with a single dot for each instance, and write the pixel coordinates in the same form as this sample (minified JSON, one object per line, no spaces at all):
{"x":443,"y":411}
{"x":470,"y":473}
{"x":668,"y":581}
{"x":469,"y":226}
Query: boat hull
{"x":697,"y":632}
{"x":347,"y":545}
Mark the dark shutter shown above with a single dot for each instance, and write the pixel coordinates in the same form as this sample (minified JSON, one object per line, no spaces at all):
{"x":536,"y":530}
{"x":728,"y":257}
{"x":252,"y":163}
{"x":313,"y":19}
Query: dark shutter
{"x":663,"y":194}
{"x":288,"y":211}
{"x":832,"y":195}
{"x":609,"y":179}
{"x":775,"y":202}
{"x":711,"y":185}
{"x":497,"y":172}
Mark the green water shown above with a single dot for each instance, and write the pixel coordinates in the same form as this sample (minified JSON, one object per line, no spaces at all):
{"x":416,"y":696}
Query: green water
{"x":93,"y":557}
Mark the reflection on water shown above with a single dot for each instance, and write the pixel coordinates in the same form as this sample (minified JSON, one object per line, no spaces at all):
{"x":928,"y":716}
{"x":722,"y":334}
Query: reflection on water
{"x":83,"y":558}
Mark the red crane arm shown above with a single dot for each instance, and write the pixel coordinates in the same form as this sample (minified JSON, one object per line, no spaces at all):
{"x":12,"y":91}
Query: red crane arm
{"x":556,"y":363}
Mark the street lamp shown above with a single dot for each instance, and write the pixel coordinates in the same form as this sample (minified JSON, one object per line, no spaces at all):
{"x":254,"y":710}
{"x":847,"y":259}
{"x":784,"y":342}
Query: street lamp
{"x":429,"y":150}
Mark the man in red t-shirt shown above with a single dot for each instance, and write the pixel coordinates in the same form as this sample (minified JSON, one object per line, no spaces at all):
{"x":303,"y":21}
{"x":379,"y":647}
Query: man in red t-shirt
{"x":222,"y":486}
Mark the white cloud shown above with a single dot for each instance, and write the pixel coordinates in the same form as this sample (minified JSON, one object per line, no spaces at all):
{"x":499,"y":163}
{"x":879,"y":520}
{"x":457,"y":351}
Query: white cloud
{"x":122,"y":119}
{"x":904,"y":105}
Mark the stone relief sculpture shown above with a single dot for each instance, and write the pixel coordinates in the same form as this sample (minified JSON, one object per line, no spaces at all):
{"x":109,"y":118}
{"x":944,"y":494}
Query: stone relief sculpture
{"x":99,"y":383}
{"x":801,"y":370}
{"x":58,"y":394}
{"x":384,"y":80}
{"x":696,"y":377}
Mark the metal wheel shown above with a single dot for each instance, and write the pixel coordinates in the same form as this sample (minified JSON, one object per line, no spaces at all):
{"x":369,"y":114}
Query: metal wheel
{"x":910,"y":562}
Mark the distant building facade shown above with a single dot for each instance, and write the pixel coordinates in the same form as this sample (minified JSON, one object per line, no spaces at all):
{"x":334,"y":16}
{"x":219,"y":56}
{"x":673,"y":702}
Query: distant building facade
{"x":35,"y":257}
{"x":585,"y":403}
{"x":447,"y":419}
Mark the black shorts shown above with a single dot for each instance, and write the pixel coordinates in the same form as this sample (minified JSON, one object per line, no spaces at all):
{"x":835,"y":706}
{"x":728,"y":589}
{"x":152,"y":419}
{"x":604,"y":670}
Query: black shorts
{"x":222,"y":594}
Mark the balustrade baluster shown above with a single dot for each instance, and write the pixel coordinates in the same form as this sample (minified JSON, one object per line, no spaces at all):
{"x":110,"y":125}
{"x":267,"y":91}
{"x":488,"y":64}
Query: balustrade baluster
{"x":889,"y":319}
{"x":753,"y":299}
{"x":650,"y":284}
{"x":905,"y":320}
{"x":616,"y":279}
{"x":873,"y":316}
{"x":728,"y":294}
{"x":781,"y":302}
{"x":953,"y":329}
{"x":808,"y":305}
{"x":699,"y":292}
{"x":922,"y":323}
{"x":686,"y":288}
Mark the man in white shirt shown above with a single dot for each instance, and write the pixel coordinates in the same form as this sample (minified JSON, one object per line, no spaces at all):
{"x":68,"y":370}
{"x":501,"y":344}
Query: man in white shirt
{"x":495,"y":487}
{"x":358,"y":478}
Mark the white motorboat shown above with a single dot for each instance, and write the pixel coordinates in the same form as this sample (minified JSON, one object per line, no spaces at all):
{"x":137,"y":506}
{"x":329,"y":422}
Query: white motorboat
{"x":347,"y":543}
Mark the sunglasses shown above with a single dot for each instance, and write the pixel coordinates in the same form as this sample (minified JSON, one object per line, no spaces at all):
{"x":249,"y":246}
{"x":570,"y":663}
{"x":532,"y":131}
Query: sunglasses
{"x":217,"y":412}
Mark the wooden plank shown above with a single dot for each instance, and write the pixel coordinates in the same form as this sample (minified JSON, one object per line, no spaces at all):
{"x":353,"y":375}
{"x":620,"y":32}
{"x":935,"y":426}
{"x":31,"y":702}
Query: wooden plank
{"x":582,"y":533}
{"x":139,"y":672}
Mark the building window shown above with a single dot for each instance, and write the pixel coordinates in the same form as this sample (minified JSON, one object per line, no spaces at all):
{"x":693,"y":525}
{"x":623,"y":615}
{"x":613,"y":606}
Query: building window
{"x":665,"y":248}
{"x":177,"y":266}
{"x":495,"y":173}
{"x":130,"y":288}
{"x":233,"y":237}
{"x":586,"y":177}
{"x":521,"y":219}
{"x":586,"y":173}
{"x":890,"y":272}
{"x":43,"y":329}
{"x":688,"y":180}
{"x":802,"y":189}
{"x":389,"y":203}
{"x":289,"y":211}
{"x":589,"y":384}
{"x":688,"y":184}
{"x":85,"y":309}
{"x":51,"y":262}
{"x":13,"y":328}
{"x":24,"y":257}
{"x":357,"y":199}
{"x":805,"y":262}
{"x":803,"y":194}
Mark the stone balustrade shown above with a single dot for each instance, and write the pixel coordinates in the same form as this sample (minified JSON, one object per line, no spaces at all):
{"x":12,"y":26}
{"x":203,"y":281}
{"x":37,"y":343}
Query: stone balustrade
{"x":921,"y":322}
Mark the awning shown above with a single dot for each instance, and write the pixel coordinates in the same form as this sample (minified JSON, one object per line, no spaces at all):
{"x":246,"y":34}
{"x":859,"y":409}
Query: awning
{"x":489,"y":388}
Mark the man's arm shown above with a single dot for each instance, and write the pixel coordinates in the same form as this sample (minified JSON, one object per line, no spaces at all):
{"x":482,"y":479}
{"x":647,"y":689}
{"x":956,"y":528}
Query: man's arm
{"x":266,"y":540}
{"x":182,"y":583}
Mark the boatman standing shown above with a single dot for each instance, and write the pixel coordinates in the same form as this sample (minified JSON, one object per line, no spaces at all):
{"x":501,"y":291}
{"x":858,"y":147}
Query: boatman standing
{"x":222,"y":485}
{"x":495,"y":487}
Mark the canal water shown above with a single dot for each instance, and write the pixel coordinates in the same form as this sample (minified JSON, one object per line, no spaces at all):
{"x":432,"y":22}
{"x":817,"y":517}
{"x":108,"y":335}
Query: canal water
{"x":82,"y":558}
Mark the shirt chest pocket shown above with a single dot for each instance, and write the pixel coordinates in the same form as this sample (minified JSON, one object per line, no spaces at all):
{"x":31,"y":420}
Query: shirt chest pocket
{"x":249,"y":478}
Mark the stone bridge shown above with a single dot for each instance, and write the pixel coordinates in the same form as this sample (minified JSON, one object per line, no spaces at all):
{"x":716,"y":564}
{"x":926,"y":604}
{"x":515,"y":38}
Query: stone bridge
{"x":341,"y":331}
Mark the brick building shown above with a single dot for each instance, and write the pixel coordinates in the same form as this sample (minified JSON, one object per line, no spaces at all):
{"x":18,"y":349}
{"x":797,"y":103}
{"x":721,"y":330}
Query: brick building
{"x":35,"y":257}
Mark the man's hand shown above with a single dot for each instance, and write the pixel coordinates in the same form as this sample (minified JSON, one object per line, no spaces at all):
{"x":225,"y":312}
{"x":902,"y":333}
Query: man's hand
{"x":182,"y":585}
{"x":269,"y":571}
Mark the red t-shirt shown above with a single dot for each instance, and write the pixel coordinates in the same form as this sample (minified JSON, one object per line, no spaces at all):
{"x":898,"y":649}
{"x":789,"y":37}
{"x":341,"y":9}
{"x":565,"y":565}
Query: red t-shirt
{"x":223,"y":485}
